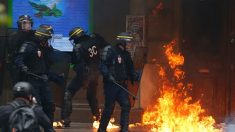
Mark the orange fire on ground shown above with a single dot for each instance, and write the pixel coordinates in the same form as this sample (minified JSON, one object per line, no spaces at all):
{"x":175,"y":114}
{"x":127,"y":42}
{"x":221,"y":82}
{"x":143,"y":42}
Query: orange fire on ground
{"x":110,"y":125}
{"x":174,"y":110}
{"x":57,"y":124}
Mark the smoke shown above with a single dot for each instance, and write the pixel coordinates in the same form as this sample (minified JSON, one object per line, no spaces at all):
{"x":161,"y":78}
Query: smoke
{"x":229,"y":125}
{"x":229,"y":128}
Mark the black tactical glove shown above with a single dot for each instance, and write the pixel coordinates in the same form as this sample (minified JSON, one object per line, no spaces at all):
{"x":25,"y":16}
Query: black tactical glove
{"x":87,"y":69}
{"x":44,"y":78}
{"x":25,"y":69}
{"x":138,"y":75}
{"x":57,"y":78}
{"x":60,"y":79}
{"x":111,"y":78}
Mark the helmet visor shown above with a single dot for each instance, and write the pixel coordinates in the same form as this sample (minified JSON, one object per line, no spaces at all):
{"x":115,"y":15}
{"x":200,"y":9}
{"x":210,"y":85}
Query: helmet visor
{"x":51,"y":40}
{"x":26,"y":25}
{"x":72,"y":42}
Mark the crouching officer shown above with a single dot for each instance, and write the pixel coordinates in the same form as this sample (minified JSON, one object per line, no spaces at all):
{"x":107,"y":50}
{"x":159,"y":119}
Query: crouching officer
{"x":85,"y":58}
{"x":22,"y":92}
{"x":116,"y":68}
{"x":33,"y":64}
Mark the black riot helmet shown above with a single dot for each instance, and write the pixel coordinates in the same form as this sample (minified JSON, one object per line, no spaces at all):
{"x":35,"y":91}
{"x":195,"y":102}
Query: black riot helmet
{"x":22,"y":89}
{"x":25,"y":22}
{"x":122,"y":38}
{"x":75,"y":34}
{"x":45,"y":33}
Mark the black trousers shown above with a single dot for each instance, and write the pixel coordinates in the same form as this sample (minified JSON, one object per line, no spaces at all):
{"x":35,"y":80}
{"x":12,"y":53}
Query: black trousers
{"x":112,"y":94}
{"x":89,"y":80}
{"x":44,"y":96}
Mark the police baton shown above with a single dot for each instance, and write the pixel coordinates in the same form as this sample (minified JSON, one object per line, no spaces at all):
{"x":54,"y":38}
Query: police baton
{"x":35,"y":75}
{"x":125,"y":89}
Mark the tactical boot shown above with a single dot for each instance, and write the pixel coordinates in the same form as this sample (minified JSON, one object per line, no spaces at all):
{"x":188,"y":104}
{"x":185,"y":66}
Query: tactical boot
{"x":100,"y":130}
{"x":66,"y":109}
{"x":66,"y":123}
{"x":124,"y":130}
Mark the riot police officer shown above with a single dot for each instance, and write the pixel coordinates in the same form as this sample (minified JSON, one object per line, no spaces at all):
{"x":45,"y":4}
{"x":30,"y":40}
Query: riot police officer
{"x":117,"y":68}
{"x":85,"y":57}
{"x":33,"y":64}
{"x":16,"y":39}
{"x":22,"y":92}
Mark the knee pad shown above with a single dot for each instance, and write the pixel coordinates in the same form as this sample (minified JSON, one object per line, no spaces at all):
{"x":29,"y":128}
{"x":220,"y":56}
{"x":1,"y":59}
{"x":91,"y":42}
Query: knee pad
{"x":67,"y":105}
{"x":67,"y":95}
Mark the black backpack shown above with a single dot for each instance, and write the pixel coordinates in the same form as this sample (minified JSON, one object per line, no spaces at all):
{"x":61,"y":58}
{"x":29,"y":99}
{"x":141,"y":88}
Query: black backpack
{"x":22,"y":119}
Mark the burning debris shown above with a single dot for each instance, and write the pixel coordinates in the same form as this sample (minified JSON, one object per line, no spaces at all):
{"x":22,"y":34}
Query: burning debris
{"x":57,"y":124}
{"x":110,"y":125}
{"x":174,"y":110}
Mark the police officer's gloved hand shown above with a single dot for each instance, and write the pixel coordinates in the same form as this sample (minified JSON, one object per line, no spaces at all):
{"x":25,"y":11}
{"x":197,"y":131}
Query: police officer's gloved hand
{"x":61,"y":75}
{"x":138,"y":75}
{"x":25,"y":69}
{"x":57,"y":78}
{"x":87,"y":69}
{"x":72,"y":66}
{"x":61,"y":79}
{"x":110,"y":77}
{"x":45,"y":78}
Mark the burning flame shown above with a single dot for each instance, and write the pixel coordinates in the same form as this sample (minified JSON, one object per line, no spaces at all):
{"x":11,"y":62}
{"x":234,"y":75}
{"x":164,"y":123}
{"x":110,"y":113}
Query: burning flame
{"x":57,"y":124}
{"x":110,"y":125}
{"x":175,"y":111}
